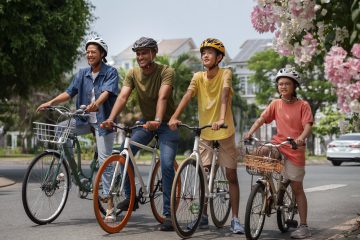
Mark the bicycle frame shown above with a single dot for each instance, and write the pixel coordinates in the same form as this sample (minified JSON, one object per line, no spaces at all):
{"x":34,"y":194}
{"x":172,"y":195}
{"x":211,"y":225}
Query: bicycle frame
{"x":129,"y":156}
{"x":199,"y":164}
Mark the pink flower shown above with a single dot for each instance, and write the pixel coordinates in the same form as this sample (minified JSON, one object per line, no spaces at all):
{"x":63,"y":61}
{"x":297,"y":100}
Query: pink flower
{"x":356,"y":50}
{"x":263,"y":19}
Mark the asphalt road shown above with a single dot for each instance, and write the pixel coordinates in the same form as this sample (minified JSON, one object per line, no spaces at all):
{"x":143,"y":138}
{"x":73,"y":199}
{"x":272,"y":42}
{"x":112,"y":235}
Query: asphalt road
{"x":333,"y":196}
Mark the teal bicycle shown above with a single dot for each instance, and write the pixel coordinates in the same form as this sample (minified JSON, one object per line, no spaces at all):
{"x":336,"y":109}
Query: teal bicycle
{"x":48,"y":178}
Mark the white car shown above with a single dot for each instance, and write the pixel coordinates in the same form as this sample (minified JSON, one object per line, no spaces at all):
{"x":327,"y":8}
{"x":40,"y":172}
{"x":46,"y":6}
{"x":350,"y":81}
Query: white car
{"x":344,"y":149}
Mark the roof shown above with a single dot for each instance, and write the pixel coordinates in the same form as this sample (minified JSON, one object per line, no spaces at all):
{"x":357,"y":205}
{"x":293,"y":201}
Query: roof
{"x":169,"y":46}
{"x":166,"y":47}
{"x":250,"y":47}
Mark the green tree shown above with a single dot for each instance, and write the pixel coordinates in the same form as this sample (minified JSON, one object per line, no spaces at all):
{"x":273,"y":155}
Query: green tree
{"x":39,"y":42}
{"x":328,"y":125}
{"x":183,"y":75}
{"x":315,"y":89}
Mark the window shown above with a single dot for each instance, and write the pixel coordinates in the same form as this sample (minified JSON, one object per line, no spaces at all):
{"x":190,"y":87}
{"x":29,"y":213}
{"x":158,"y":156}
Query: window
{"x":242,"y":84}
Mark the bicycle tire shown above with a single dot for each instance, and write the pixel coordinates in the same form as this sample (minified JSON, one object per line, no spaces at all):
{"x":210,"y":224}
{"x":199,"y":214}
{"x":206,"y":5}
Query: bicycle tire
{"x":220,"y":204}
{"x":286,"y":211}
{"x":254,"y":232}
{"x":186,"y":209}
{"x":121,"y":217}
{"x":49,"y":201}
{"x":156,"y":191}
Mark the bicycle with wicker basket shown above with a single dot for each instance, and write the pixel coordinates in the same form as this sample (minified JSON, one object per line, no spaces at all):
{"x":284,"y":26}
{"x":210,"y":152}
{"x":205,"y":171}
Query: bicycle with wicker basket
{"x":271,"y":193}
{"x":47,"y":180}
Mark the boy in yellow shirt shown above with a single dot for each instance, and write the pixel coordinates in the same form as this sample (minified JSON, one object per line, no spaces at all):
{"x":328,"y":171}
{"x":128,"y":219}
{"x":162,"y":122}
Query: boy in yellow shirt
{"x":214,"y":91}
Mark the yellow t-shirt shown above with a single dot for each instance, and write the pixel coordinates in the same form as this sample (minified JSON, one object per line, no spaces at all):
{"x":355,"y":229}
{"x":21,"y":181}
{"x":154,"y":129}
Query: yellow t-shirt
{"x":209,"y":93}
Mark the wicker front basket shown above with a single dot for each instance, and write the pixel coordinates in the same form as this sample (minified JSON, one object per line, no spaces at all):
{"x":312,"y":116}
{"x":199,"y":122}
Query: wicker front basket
{"x":260,"y":165}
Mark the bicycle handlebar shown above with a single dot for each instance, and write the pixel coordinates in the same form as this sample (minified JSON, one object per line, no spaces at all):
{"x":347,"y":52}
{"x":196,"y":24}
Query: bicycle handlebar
{"x":127,"y":128}
{"x":289,"y":140}
{"x":66,"y":112}
{"x":195,"y":128}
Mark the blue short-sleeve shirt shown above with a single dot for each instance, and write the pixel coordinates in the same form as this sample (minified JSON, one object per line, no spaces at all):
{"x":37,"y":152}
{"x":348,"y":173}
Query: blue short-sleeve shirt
{"x":82,"y":85}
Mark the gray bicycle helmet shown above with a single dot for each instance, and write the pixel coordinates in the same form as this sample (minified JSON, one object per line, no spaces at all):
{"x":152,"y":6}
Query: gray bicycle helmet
{"x":290,"y":73}
{"x":145,"y":42}
{"x":99,"y":41}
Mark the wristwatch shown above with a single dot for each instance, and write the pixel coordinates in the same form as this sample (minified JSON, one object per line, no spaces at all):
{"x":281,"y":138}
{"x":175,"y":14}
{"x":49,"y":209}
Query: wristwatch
{"x":157,"y":119}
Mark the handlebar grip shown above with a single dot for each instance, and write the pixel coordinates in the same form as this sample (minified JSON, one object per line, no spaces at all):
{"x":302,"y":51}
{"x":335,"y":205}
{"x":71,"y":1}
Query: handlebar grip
{"x":224,"y":126}
{"x":248,"y":141}
{"x":292,"y":143}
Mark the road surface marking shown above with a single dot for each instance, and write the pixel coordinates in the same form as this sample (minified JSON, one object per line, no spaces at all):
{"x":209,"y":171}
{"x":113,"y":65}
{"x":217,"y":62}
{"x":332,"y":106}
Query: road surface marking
{"x":324,"y":187}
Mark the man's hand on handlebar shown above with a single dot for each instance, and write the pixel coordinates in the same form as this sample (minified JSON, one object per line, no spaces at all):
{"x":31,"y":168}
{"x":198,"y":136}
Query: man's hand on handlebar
{"x":173,"y":123}
{"x":152,"y":125}
{"x":92,"y":107}
{"x":43,"y":106}
{"x":108,"y":123}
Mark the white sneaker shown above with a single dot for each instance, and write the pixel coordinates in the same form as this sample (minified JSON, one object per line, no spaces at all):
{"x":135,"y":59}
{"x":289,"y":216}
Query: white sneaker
{"x":60,"y":177}
{"x":303,"y":231}
{"x":110,"y":216}
{"x":236,"y":227}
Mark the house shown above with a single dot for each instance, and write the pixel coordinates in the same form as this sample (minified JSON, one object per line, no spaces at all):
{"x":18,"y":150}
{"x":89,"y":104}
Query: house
{"x":239,"y":66}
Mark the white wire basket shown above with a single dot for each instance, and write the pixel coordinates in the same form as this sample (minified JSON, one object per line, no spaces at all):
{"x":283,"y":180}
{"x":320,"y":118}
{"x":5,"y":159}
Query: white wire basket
{"x":51,"y":133}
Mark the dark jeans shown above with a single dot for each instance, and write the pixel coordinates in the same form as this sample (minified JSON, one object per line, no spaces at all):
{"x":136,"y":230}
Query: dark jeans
{"x":168,"y":142}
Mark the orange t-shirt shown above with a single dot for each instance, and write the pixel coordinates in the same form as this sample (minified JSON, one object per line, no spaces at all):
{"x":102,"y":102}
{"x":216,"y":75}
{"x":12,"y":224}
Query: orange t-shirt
{"x":291,"y":119}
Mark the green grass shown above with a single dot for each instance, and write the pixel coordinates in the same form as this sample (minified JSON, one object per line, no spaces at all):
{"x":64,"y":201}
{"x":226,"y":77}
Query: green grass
{"x":317,"y":157}
{"x":147,"y":157}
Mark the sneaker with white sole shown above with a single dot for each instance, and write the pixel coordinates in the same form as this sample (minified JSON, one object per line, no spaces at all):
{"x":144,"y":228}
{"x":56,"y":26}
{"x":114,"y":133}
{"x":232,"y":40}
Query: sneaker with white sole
{"x":110,"y":216}
{"x":204,"y":223}
{"x":301,"y":232}
{"x":236,"y":227}
{"x":60,"y":177}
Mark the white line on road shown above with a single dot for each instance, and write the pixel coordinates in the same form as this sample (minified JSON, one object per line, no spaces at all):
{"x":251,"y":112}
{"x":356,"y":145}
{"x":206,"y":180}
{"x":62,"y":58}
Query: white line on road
{"x":324,"y":187}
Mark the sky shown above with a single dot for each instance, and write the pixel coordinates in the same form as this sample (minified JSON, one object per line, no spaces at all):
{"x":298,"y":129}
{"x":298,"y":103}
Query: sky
{"x":121,"y":22}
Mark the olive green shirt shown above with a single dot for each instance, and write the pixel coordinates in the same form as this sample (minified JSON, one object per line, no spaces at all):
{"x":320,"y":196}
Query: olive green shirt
{"x":148,"y":86}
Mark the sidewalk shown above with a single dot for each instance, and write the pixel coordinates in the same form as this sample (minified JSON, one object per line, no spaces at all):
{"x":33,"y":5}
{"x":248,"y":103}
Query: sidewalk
{"x":4,"y":182}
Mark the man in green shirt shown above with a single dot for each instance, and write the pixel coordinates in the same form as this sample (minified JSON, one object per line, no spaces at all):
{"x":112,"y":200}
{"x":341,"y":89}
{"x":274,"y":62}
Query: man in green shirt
{"x":154,"y":84}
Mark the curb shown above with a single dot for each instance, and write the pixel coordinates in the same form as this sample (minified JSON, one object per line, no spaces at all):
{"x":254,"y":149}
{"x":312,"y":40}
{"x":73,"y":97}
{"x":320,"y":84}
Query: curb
{"x":350,"y":230}
{"x":5,"y":182}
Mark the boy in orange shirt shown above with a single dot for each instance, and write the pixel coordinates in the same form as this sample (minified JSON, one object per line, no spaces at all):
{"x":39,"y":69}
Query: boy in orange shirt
{"x":214,"y":91}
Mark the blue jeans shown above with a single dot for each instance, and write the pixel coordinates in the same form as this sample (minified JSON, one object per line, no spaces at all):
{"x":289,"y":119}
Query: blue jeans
{"x":104,"y":145}
{"x":168,"y":142}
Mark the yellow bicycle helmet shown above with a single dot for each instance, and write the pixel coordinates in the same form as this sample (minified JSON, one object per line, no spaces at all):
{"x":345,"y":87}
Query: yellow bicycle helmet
{"x":213,"y":43}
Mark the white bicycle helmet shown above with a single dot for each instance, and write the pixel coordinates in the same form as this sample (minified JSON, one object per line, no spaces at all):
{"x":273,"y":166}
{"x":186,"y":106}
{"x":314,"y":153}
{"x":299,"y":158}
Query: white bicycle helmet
{"x":290,"y":73}
{"x":99,"y":41}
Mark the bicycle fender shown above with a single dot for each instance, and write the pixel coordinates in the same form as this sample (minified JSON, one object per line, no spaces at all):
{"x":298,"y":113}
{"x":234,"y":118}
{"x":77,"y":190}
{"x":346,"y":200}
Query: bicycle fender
{"x":52,"y":151}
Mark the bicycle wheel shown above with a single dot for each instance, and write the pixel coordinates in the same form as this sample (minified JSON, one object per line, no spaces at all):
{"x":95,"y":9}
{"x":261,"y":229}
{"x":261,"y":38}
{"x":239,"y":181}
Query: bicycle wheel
{"x":287,"y":208}
{"x":255,"y":212}
{"x":156,"y":191}
{"x":220,"y":202}
{"x":116,"y":195}
{"x":187,"y":204}
{"x":45,"y":188}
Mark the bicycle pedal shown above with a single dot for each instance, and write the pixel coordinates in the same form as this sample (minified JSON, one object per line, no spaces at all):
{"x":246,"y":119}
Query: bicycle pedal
{"x":292,"y":223}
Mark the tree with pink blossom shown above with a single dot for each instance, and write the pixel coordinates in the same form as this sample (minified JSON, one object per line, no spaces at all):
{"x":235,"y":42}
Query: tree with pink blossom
{"x":318,"y":32}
